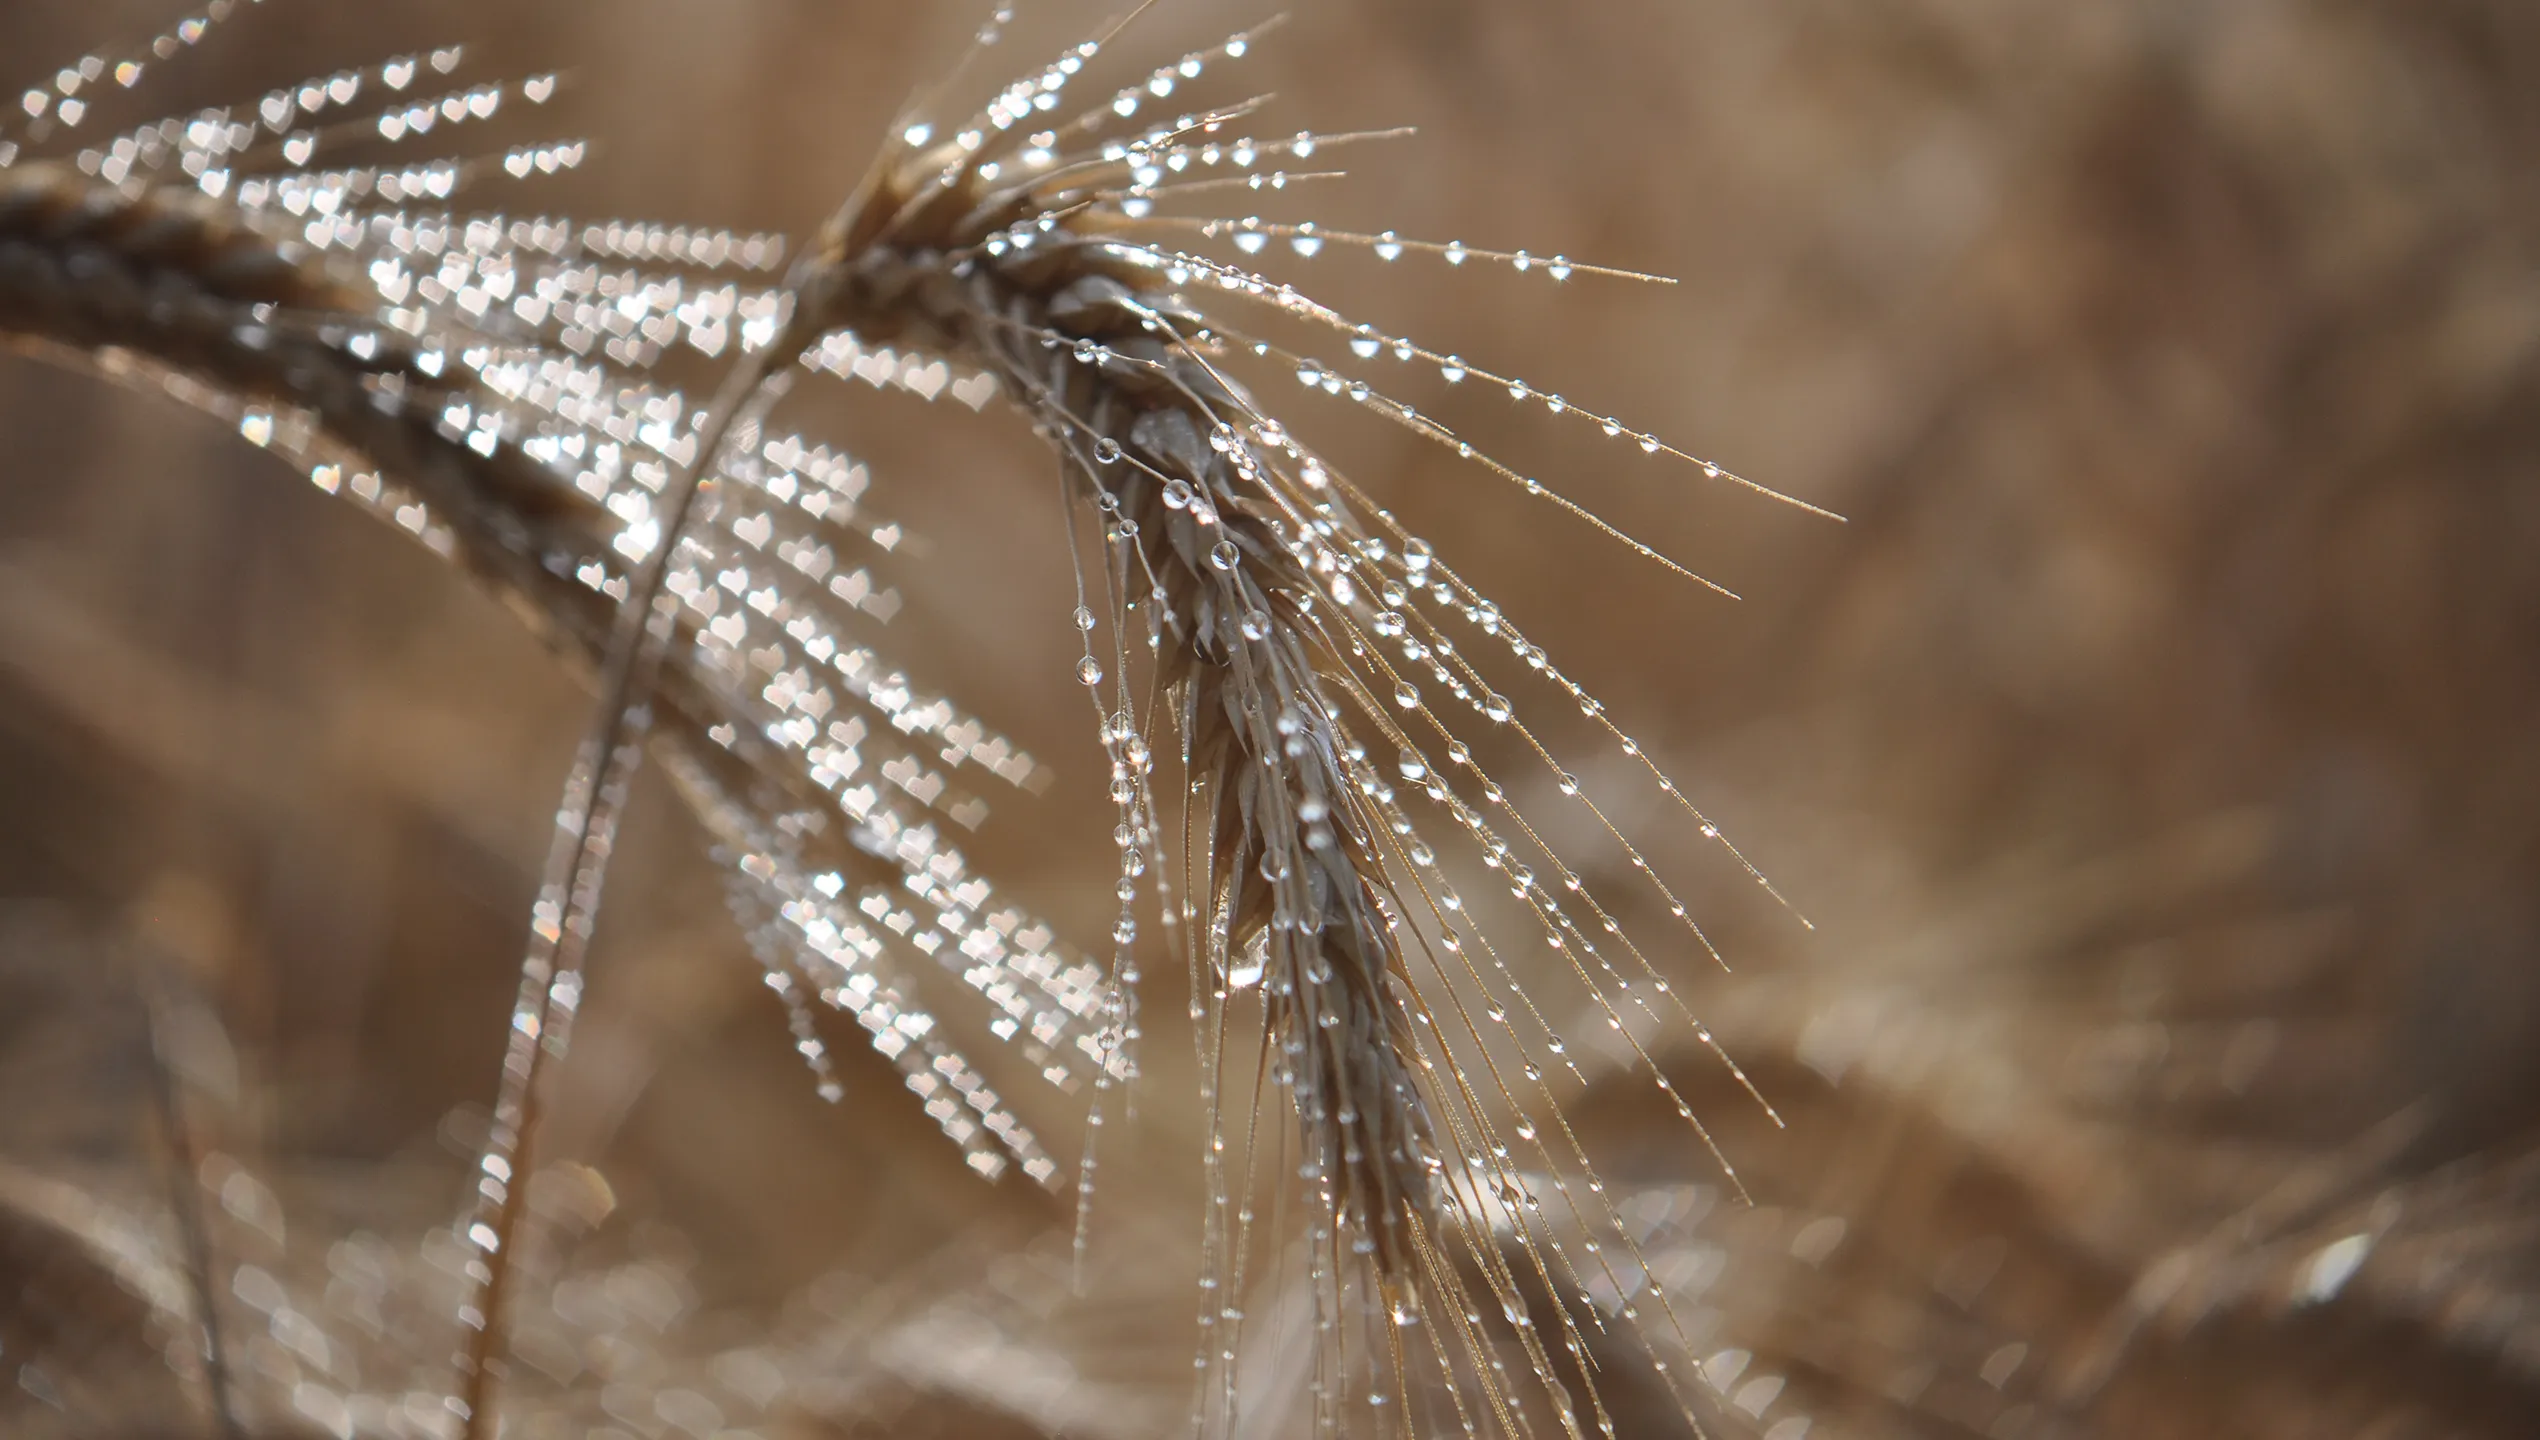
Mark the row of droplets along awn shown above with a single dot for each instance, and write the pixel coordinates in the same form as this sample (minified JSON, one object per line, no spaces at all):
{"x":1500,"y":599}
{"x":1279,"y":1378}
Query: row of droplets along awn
{"x":491,"y":397}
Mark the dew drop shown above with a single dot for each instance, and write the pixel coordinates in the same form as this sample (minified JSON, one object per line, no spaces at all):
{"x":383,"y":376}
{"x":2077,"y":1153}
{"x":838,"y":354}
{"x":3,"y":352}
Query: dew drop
{"x":1089,"y":670}
{"x":1224,"y":556}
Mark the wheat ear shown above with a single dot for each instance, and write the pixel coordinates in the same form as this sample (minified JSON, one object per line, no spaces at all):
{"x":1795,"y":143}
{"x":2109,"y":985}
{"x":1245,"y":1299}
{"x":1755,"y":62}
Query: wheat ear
{"x":1151,"y":429}
{"x":1274,"y":597}
{"x":183,"y":291}
{"x":175,"y":279}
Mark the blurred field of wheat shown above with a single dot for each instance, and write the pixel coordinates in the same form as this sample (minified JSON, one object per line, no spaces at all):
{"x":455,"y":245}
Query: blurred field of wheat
{"x":2155,"y":747}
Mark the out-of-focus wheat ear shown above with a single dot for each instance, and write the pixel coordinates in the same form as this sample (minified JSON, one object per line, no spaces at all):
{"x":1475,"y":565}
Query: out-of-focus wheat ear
{"x":91,"y":268}
{"x":531,"y":467}
{"x":185,"y":280}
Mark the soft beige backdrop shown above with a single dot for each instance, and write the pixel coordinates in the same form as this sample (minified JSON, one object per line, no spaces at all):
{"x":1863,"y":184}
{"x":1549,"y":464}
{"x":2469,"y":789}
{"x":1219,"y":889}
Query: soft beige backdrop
{"x":2154,"y":746}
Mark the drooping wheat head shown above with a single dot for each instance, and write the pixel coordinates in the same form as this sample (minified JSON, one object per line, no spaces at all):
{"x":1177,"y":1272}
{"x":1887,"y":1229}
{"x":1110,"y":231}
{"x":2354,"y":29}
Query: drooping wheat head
{"x":1265,"y":624}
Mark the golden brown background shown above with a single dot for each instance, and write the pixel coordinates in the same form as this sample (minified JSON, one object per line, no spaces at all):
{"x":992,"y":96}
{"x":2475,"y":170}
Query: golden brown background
{"x":2153,"y":747}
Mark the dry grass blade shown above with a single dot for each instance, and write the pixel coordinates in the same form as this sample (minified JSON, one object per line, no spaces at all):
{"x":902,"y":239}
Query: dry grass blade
{"x":180,"y":288}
